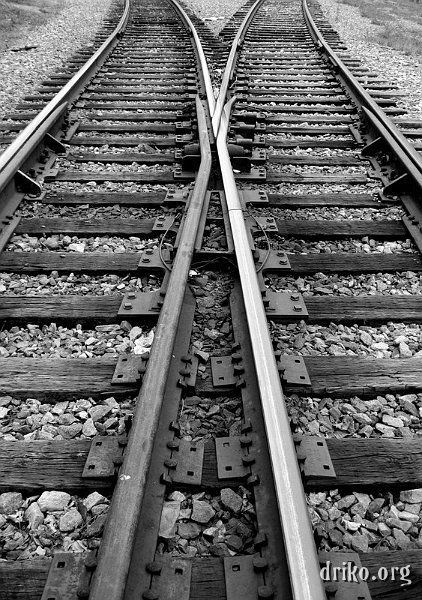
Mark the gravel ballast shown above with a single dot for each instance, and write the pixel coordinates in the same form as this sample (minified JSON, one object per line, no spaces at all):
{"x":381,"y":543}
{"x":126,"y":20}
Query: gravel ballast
{"x":392,"y":65}
{"x":54,"y":43}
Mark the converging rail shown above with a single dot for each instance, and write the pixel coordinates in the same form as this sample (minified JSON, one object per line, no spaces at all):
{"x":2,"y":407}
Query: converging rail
{"x":146,"y":131}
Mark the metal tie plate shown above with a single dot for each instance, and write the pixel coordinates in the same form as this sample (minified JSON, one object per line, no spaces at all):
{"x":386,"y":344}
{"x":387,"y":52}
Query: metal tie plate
{"x":345,"y":583}
{"x":67,"y":577}
{"x":103,"y":456}
{"x":141,"y":304}
{"x":162,"y":224}
{"x":173,"y":580}
{"x":129,"y":368}
{"x":288,"y":305}
{"x":244,"y":578}
{"x":230,"y":458}
{"x":293,"y":370}
{"x":266,"y":224}
{"x":189,"y":458}
{"x":151,"y":259}
{"x":314,"y":458}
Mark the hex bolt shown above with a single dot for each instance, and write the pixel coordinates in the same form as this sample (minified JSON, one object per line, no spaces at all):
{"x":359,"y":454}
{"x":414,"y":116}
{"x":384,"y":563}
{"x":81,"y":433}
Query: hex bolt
{"x":248,"y":460}
{"x":173,"y":444}
{"x":294,"y":297}
{"x":154,"y":568}
{"x":128,"y":306}
{"x":260,"y":541}
{"x":90,"y":563}
{"x":150,"y":595}
{"x":170,"y":463}
{"x":265,"y":591}
{"x":260,"y":564}
{"x":83,"y":591}
{"x":131,"y":295}
{"x":245,"y":441}
{"x":145,"y":259}
{"x":297,"y":308}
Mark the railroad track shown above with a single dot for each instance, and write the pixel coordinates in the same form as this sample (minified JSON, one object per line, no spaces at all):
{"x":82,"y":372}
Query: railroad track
{"x":153,"y":426}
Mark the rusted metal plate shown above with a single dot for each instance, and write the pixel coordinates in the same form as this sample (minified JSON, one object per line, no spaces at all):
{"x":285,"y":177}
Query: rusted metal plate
{"x":314,"y":457}
{"x":152,"y":260}
{"x":289,"y":305}
{"x":222,"y":371}
{"x":173,"y":583}
{"x":188,"y":461}
{"x":244,"y":579}
{"x":266,"y":224}
{"x":232,"y":460}
{"x":141,"y":304}
{"x":129,"y":368}
{"x":162,"y":224}
{"x":293,"y":370}
{"x":67,"y":577}
{"x":104,"y":455}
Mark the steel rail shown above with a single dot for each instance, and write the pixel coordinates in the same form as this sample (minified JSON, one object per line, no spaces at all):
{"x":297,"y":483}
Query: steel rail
{"x":231,"y":65}
{"x":301,"y":552}
{"x":25,"y":144}
{"x":116,"y":547}
{"x":409,"y":156}
{"x":201,"y":55}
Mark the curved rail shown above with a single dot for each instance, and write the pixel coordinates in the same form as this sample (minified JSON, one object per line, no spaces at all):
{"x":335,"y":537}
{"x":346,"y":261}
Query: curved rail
{"x":117,"y":544}
{"x":202,"y":60}
{"x":116,"y":548}
{"x":298,"y":538}
{"x":408,"y":156}
{"x":231,"y":65}
{"x":24,"y":145}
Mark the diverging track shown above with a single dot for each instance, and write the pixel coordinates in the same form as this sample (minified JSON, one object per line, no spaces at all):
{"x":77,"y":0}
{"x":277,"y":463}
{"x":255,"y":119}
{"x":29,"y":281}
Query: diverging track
{"x":210,"y":261}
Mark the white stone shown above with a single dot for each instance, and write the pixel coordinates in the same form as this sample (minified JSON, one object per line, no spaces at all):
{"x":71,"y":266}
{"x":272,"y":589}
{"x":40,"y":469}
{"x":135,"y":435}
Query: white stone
{"x":93,"y":499}
{"x":70,"y":520}
{"x":51,"y":501}
{"x":411,"y":496}
{"x":10,"y":502}
{"x":168,"y":520}
{"x":89,"y":428}
{"x":34,"y":515}
{"x":177,"y":496}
